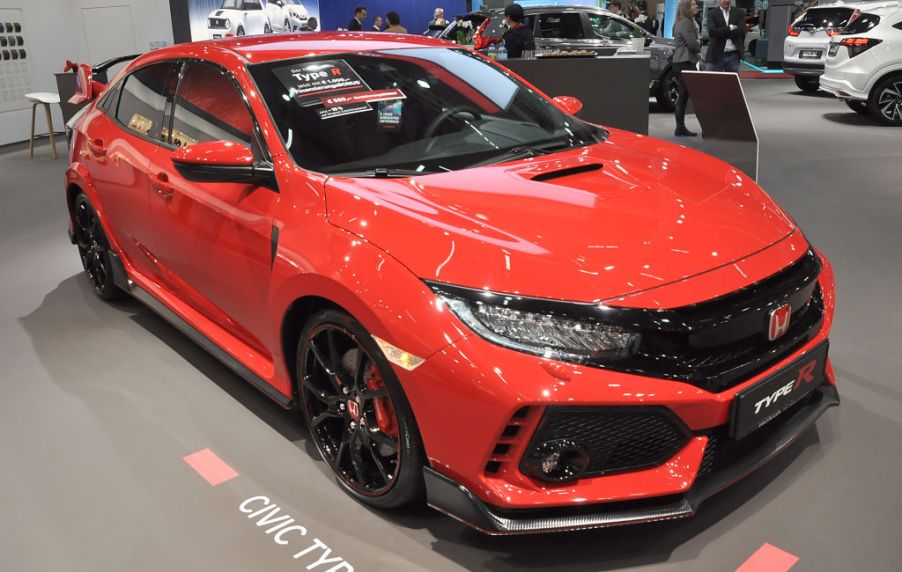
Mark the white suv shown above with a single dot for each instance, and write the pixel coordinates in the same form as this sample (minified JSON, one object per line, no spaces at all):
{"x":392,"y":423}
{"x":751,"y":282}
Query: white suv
{"x":286,"y":16}
{"x":805,"y":46}
{"x":238,"y":18}
{"x":864,"y":64}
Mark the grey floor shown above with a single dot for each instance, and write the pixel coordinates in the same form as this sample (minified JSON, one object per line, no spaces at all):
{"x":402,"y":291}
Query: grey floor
{"x":99,"y":404}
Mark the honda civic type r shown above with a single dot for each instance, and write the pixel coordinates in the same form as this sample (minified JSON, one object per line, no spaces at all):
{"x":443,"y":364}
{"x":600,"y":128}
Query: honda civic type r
{"x":474,"y":297}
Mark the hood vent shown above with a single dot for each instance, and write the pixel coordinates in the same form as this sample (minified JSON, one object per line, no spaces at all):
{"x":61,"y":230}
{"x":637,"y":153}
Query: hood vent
{"x":219,"y":13}
{"x":567,"y":172}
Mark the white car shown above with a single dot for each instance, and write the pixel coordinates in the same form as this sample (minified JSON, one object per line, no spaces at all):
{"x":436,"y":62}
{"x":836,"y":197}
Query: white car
{"x":864,"y":63}
{"x":805,"y":46}
{"x":286,"y":16}
{"x":238,"y":18}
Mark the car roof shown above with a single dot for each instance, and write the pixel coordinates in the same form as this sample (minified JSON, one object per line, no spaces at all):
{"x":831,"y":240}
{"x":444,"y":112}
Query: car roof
{"x":863,"y":5}
{"x":557,"y":8}
{"x":275,"y":47}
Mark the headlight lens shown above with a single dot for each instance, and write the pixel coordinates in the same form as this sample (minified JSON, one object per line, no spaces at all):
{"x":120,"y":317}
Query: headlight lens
{"x":496,"y":318}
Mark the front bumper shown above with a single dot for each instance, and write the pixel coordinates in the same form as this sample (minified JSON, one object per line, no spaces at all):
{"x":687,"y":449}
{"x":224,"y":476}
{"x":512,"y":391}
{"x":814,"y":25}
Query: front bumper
{"x":455,"y":500}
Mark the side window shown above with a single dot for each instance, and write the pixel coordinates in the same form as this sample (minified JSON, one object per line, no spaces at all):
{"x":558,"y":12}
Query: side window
{"x":567,"y":26}
{"x":144,"y":97}
{"x":110,"y":99}
{"x":209,"y":107}
{"x":608,"y":27}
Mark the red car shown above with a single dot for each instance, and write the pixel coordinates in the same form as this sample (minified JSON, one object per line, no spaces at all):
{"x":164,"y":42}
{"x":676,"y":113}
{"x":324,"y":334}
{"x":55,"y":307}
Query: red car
{"x":536,"y":323}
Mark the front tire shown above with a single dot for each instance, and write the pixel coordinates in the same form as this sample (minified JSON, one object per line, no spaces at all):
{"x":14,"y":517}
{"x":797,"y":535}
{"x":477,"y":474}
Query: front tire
{"x":885,"y":101}
{"x":94,"y":250}
{"x":668,"y":92}
{"x":239,"y":31}
{"x":357,"y":413}
{"x":808,"y":84}
{"x":267,"y":29}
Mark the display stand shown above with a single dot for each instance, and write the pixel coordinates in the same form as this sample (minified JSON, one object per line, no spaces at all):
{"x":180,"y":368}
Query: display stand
{"x":613,"y":90}
{"x":723,"y":113}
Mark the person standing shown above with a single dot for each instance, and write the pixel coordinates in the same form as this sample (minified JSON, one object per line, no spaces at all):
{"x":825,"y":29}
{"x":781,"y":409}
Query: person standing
{"x":726,"y":26}
{"x":356,"y":24}
{"x":377,"y":24}
{"x":685,"y":57}
{"x":394,"y":23}
{"x":438,"y":19}
{"x":519,"y":37}
{"x":614,"y":7}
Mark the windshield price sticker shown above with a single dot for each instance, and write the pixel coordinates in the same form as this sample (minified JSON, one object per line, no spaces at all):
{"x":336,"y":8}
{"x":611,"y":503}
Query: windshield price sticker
{"x":308,"y":83}
{"x":362,"y":97}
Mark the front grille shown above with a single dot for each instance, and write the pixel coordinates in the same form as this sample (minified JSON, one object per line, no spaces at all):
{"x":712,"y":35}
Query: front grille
{"x":217,"y":23}
{"x":722,"y":451}
{"x":719,"y":343}
{"x":617,"y":439}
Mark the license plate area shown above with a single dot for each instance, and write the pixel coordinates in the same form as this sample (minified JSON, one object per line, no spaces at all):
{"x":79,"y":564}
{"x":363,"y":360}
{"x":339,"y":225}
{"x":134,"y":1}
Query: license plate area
{"x":811,"y":54}
{"x":755,"y":406}
{"x":217,"y":36}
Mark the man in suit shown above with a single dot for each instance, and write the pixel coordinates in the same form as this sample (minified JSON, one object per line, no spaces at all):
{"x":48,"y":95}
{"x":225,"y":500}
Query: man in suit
{"x":726,"y":28}
{"x":356,"y":24}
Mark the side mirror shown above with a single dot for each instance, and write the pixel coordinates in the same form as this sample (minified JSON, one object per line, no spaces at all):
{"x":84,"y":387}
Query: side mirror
{"x":222,"y":162}
{"x":567,"y":104}
{"x":648,"y":41}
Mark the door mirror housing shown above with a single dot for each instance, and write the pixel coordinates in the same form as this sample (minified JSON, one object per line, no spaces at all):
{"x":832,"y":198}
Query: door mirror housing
{"x":567,"y":104}
{"x":222,"y":162}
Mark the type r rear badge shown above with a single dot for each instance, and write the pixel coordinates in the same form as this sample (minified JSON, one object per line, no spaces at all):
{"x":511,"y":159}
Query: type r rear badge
{"x":779,"y":322}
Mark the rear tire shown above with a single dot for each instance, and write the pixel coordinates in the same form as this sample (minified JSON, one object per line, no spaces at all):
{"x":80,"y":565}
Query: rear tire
{"x":857,"y":106}
{"x":239,"y":31}
{"x":668,"y":91}
{"x":885,"y":101}
{"x":808,"y":84}
{"x":357,"y":413}
{"x":94,"y":250}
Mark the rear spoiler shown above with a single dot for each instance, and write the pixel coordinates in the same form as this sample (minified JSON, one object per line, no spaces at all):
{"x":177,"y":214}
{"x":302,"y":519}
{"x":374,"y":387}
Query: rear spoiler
{"x":90,"y":81}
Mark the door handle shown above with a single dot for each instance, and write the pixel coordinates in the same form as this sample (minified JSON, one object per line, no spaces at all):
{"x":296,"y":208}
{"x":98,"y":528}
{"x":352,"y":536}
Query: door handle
{"x":97,"y":147}
{"x":162,"y":187}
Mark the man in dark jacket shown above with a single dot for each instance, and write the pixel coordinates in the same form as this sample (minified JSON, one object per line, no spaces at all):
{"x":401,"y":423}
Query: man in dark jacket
{"x":519,"y":37}
{"x":356,"y":24}
{"x":726,"y":28}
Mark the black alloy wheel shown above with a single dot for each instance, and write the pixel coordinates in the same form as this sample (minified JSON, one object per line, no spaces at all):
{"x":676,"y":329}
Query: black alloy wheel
{"x":267,"y":29}
{"x":885,"y":102}
{"x":857,"y":106}
{"x":668,"y":92}
{"x":808,"y":84}
{"x":239,"y":31}
{"x":287,"y":27}
{"x":94,"y":250}
{"x":357,"y":414}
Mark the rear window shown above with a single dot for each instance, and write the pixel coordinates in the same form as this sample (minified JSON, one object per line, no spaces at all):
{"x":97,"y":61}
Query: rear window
{"x":823,"y":18}
{"x":567,"y":26}
{"x":861,"y":24}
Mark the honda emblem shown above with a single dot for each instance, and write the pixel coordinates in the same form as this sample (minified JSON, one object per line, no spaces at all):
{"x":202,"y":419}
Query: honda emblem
{"x":779,"y":322}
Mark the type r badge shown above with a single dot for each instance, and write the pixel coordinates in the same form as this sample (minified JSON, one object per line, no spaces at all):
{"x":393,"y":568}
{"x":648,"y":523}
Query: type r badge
{"x":779,"y":322}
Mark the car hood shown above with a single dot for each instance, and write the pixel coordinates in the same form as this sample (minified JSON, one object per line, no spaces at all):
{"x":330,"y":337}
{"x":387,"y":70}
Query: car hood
{"x":588,"y":224}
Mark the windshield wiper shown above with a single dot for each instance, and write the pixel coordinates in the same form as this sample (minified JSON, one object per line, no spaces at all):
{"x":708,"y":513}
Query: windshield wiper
{"x":384,"y":173}
{"x":523,"y":152}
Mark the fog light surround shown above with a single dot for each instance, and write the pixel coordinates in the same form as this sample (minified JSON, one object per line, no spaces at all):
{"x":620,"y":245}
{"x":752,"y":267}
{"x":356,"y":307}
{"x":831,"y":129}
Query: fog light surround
{"x":556,"y":461}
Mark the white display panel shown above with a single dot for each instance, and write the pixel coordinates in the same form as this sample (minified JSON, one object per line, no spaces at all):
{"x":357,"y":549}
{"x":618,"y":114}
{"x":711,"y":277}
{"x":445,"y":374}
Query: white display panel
{"x":15,"y":74}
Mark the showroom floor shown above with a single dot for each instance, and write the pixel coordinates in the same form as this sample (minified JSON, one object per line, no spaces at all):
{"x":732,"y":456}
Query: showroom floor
{"x":100,"y":404}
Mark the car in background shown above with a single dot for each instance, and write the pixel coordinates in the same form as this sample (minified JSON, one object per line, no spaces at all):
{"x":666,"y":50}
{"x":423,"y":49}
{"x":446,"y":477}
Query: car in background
{"x":864,"y":63}
{"x":471,"y":295}
{"x":808,"y":39}
{"x":285,"y":15}
{"x":238,"y":18}
{"x":572,"y":28}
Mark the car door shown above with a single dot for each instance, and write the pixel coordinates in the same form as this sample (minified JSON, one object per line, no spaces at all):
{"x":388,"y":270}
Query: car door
{"x":124,"y":131}
{"x":255,"y":17}
{"x":213,"y":241}
{"x":563,"y":30}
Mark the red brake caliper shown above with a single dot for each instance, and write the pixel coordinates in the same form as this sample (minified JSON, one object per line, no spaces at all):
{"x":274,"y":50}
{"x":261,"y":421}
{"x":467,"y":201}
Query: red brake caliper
{"x":385,"y":413}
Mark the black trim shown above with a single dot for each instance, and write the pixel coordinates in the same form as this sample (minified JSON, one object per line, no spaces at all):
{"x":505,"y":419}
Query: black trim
{"x":799,"y":68}
{"x":274,"y":245}
{"x":567,"y":172}
{"x":455,"y":500}
{"x":205,"y":342}
{"x":120,"y":276}
{"x":260,"y":173}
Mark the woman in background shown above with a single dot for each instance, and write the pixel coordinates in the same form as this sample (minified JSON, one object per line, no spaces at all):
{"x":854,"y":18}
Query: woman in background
{"x":685,"y":57}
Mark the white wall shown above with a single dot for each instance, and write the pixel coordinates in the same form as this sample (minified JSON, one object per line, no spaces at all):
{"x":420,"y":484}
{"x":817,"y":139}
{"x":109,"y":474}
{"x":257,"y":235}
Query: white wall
{"x":56,"y":32}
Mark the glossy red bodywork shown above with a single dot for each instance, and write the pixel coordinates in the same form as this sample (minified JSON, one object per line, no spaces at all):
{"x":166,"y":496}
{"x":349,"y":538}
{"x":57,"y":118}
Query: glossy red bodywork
{"x":657,"y":226}
{"x":221,"y":153}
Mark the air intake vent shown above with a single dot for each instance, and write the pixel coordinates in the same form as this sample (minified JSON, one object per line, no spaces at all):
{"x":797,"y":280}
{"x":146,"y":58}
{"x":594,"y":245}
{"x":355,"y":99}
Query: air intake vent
{"x":512,"y":440}
{"x":567,"y":172}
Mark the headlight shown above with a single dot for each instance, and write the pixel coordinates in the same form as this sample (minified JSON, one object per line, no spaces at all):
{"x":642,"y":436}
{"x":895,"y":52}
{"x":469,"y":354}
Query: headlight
{"x":228,"y":24}
{"x":549,"y":328}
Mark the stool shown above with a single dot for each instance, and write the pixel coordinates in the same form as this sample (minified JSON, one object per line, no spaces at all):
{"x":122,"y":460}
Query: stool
{"x":42,"y":98}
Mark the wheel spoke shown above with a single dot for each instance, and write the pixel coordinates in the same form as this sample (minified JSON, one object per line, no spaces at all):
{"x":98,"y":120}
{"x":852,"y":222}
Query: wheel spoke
{"x":318,"y":393}
{"x":360,"y":371}
{"x":357,"y":460}
{"x":334,"y":357}
{"x":378,"y":461}
{"x":375,"y":394}
{"x":318,"y":420}
{"x":382,"y":439}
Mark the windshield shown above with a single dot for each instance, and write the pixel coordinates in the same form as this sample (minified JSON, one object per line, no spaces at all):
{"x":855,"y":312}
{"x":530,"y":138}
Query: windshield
{"x":231,"y":4}
{"x":416,"y":109}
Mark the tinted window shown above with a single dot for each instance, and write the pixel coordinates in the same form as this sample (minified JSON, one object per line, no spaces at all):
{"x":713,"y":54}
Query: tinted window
{"x":209,"y":107}
{"x":566,"y":26}
{"x":110,"y":99}
{"x":498,"y":25}
{"x":821,"y":18}
{"x":144,"y":97}
{"x":610,"y":27}
{"x":424,"y":109}
{"x":862,"y":24}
